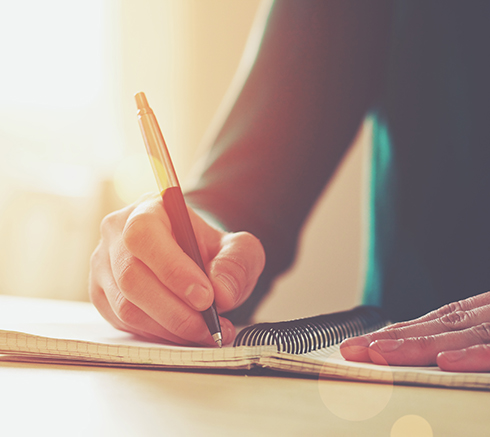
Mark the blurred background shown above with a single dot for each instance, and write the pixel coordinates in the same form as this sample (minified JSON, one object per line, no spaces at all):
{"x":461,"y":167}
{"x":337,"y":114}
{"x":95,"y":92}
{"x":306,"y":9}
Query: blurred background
{"x":71,"y":150}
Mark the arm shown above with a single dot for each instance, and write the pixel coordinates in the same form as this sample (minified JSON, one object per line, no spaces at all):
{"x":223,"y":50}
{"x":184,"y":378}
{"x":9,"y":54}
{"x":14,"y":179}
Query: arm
{"x":319,"y":69}
{"x":316,"y":74}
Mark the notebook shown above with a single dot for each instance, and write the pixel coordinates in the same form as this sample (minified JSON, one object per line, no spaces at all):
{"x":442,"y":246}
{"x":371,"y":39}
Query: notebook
{"x":46,"y":331}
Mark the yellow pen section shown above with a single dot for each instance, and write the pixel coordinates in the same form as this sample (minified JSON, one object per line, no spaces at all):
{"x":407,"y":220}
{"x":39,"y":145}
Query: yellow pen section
{"x":155,"y":145}
{"x":173,"y":200}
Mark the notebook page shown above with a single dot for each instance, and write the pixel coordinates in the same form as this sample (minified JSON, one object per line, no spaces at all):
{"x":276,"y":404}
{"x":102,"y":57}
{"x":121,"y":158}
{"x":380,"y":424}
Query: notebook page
{"x":82,"y":342}
{"x":329,"y":363}
{"x":54,"y":329}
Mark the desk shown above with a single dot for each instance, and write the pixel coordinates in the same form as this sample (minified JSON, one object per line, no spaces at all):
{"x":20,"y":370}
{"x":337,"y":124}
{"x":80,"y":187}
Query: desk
{"x":45,"y":400}
{"x":68,"y":400}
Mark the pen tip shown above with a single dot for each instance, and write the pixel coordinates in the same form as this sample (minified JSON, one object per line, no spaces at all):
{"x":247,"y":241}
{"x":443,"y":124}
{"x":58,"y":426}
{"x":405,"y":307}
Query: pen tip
{"x":218,"y":339}
{"x":141,"y":101}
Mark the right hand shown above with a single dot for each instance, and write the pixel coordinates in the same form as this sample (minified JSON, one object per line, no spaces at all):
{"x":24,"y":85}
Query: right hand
{"x":142,"y":282}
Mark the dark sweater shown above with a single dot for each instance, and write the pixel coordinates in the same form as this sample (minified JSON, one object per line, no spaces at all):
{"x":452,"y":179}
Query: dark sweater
{"x":420,"y":71}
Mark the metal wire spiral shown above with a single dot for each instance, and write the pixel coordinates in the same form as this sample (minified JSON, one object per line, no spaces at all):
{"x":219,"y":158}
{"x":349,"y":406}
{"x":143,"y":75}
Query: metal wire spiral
{"x":300,"y":336}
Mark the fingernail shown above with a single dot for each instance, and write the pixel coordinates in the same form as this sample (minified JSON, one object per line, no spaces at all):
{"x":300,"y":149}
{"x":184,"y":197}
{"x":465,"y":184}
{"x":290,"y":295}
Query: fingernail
{"x":356,"y":348}
{"x":229,"y":283}
{"x":198,"y":296}
{"x":389,"y":345}
{"x":453,"y":356}
{"x":362,"y":341}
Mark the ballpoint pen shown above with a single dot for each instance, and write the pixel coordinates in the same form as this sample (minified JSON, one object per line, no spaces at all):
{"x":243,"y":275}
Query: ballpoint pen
{"x":173,"y":199}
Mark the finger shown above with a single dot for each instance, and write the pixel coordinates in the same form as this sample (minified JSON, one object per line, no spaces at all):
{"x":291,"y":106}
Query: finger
{"x":141,"y":324}
{"x":99,"y":266}
{"x":423,"y":351}
{"x":136,"y":289}
{"x":472,"y":359}
{"x":110,"y":227}
{"x":235,"y":269}
{"x":147,"y":236}
{"x":113,"y":224}
{"x":100,"y":301}
{"x":356,"y":348}
{"x":134,"y":319}
{"x":137,"y":286}
{"x":462,"y":305}
{"x":131,"y":319}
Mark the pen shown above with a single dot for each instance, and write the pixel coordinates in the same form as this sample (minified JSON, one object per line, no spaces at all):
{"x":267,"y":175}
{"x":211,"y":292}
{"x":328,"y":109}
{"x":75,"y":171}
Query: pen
{"x":173,"y":200}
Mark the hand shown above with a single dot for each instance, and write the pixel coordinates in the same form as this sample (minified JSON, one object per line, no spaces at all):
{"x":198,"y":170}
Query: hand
{"x":142,"y":282}
{"x":456,"y":337}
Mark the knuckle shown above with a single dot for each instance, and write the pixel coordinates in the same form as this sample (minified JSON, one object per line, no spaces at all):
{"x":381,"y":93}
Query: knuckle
{"x":394,"y":334}
{"x":173,"y":272}
{"x":389,"y":334}
{"x":482,"y":331}
{"x":133,"y":233}
{"x":183,"y":326}
{"x":136,"y":234}
{"x":95,"y":258}
{"x":94,"y":293}
{"x":125,"y":311}
{"x":247,"y":237}
{"x":255,"y":246}
{"x":128,"y":276}
{"x":108,"y":223}
{"x":237,"y":268}
{"x":425,"y":342}
{"x":449,"y":308}
{"x":454,"y":321}
{"x":392,"y":327}
{"x":473,"y":302}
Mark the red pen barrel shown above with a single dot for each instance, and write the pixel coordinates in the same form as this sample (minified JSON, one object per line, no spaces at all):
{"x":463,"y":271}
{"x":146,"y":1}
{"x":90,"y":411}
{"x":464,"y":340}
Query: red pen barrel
{"x":174,"y":204}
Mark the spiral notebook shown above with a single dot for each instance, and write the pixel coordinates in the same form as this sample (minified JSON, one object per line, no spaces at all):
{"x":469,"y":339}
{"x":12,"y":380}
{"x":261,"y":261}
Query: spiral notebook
{"x":58,"y":332}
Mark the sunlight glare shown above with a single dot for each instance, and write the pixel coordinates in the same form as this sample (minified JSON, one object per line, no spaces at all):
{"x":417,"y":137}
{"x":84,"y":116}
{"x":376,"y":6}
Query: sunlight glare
{"x":51,"y":52}
{"x":133,"y":177}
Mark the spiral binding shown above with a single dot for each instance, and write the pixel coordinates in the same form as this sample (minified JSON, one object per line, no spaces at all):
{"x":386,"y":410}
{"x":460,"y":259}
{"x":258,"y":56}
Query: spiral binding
{"x":300,"y":336}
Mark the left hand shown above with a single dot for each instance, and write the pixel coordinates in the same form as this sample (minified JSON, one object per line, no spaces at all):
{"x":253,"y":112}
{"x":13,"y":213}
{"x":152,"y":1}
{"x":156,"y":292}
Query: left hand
{"x":456,"y":337}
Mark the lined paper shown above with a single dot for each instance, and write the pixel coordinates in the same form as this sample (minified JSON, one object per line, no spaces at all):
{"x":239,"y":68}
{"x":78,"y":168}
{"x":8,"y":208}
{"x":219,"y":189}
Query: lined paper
{"x":73,"y":332}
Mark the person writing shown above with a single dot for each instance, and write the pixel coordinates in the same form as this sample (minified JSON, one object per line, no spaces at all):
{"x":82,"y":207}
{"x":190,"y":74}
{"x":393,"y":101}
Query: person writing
{"x":418,"y":71}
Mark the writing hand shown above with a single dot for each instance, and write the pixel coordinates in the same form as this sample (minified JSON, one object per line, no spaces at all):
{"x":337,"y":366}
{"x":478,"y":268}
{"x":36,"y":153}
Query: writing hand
{"x":456,"y":337}
{"x":142,"y":282}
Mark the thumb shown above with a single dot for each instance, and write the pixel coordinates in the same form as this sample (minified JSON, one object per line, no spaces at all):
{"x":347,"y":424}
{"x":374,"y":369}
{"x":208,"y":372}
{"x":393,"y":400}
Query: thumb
{"x":235,"y":269}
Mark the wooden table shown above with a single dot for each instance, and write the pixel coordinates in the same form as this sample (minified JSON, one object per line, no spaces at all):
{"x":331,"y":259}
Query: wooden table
{"x":70,"y":400}
{"x":53,"y":400}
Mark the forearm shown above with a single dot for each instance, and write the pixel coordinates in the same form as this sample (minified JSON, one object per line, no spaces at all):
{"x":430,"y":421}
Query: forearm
{"x":315,"y":76}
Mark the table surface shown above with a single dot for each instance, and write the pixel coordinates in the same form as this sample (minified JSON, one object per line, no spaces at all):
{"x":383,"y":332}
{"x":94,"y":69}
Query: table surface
{"x":72,"y":400}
